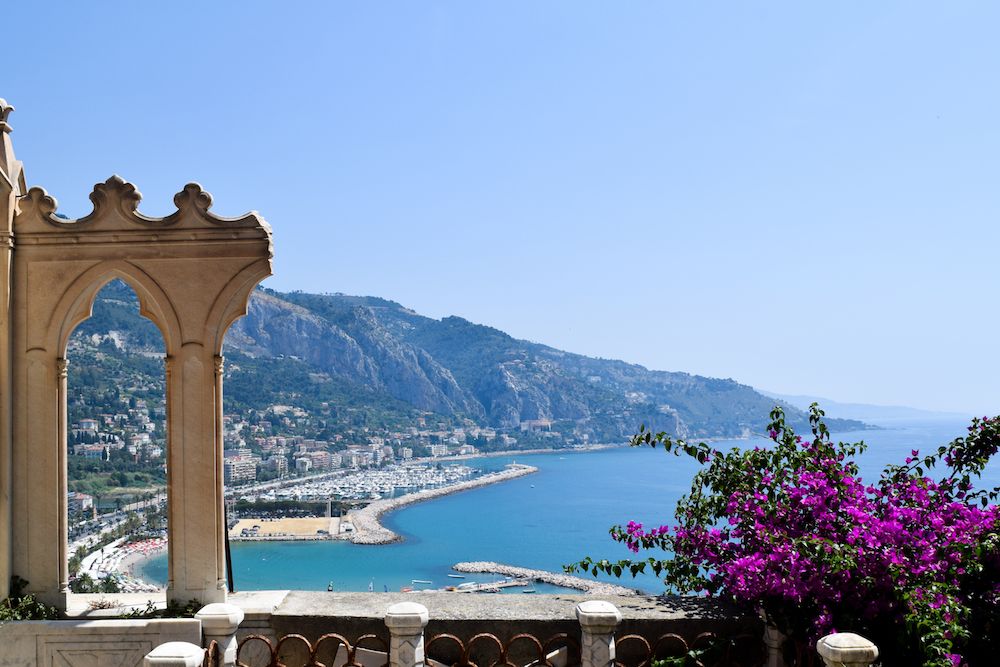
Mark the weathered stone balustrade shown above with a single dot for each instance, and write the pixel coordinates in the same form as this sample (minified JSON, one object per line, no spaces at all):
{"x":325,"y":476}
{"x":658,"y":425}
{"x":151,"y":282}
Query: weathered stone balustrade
{"x":441,"y":629}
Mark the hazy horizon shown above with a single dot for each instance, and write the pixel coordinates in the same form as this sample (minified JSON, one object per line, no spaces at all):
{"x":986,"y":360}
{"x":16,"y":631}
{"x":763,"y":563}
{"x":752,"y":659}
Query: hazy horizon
{"x":801,"y":198}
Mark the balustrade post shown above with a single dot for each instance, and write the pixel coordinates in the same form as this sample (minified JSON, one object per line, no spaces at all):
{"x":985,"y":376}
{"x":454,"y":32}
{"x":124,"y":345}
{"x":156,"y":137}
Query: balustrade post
{"x":846,"y":649}
{"x":219,"y":622}
{"x":774,"y":640}
{"x":598,"y":622}
{"x":406,"y":622}
{"x":175,"y":654}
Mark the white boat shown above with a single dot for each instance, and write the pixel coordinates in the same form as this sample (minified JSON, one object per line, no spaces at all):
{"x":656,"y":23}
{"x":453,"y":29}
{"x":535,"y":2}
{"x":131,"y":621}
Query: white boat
{"x":457,"y":576}
{"x":420,"y":581}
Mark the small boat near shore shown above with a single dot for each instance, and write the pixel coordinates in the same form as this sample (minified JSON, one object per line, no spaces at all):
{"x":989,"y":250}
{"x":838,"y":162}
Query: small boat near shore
{"x":421,"y":581}
{"x":457,"y":576}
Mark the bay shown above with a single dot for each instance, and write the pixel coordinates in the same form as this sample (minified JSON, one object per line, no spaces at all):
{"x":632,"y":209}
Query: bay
{"x":545,"y":520}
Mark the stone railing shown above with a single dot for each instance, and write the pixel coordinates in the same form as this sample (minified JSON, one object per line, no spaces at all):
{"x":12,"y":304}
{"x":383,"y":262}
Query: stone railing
{"x":598,"y":641}
{"x":82,"y":642}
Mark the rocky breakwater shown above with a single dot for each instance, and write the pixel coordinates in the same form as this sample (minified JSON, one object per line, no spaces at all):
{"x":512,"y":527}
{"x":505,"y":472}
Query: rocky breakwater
{"x":368,"y":530}
{"x":588,"y":586}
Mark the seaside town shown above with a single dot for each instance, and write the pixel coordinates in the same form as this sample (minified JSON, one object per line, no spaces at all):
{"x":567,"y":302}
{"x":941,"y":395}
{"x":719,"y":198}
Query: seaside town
{"x":280,"y":485}
{"x":302,"y":469}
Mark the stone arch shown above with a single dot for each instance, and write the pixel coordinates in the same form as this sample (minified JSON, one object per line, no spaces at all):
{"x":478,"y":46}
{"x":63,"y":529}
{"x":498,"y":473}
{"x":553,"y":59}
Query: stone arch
{"x":77,"y":303}
{"x":193,"y":273}
{"x":231,"y":304}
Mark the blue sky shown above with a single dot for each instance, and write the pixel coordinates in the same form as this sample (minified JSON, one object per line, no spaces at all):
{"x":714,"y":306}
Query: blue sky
{"x":801,"y":196}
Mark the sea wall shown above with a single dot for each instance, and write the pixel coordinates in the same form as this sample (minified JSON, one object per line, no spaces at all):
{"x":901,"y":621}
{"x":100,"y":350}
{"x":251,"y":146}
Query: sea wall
{"x":588,"y":586}
{"x":368,"y":529}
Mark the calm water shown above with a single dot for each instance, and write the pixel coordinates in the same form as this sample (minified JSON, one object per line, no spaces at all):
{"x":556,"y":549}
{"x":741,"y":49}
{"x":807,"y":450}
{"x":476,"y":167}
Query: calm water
{"x":544,"y":520}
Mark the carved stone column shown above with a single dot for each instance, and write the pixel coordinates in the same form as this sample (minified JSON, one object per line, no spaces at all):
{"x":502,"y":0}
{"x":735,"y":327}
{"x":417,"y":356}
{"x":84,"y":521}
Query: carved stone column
{"x":39,"y":476}
{"x":220,"y":446}
{"x":62,"y":372}
{"x":11,"y":175}
{"x":194,"y":479}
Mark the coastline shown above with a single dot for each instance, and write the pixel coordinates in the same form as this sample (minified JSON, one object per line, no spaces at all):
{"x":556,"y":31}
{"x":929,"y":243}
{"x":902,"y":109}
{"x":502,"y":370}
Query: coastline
{"x":369,"y":530}
{"x":126,"y":561}
{"x":132,"y":564}
{"x":588,"y":586}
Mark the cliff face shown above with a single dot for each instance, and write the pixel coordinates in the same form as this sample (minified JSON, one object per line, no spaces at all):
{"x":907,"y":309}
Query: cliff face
{"x":358,"y":349}
{"x":275,"y":328}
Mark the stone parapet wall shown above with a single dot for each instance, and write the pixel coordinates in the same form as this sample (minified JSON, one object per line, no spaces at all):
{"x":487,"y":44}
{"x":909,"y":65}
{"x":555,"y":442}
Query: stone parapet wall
{"x":435,"y":629}
{"x":86,"y":643}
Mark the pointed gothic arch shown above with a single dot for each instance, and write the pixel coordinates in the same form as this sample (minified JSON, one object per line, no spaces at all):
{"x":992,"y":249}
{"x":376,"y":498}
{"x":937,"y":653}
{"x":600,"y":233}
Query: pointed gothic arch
{"x":77,"y":303}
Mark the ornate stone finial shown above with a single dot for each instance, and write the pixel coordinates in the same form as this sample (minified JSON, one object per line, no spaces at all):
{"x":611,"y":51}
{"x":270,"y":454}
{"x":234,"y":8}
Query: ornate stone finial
{"x":193,"y":198}
{"x":40,"y":200}
{"x":5,"y":110}
{"x":115,"y":192}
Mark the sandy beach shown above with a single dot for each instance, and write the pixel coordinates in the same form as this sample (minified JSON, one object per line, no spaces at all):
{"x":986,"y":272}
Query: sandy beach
{"x":124,"y":560}
{"x":286,"y":528}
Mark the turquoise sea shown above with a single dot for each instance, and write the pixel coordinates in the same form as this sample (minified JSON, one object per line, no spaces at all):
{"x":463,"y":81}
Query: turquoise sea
{"x":544,"y":520}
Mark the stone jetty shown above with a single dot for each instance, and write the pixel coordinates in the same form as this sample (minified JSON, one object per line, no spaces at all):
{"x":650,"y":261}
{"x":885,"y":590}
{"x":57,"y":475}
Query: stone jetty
{"x":368,"y":530}
{"x":588,"y":586}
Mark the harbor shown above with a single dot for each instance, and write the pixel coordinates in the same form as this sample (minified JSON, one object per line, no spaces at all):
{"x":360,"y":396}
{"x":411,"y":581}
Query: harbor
{"x":365,"y":484}
{"x":363,"y":526}
{"x":367,"y":529}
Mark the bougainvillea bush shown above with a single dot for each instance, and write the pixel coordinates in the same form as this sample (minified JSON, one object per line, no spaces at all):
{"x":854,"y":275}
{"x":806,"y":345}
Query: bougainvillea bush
{"x":911,"y":560}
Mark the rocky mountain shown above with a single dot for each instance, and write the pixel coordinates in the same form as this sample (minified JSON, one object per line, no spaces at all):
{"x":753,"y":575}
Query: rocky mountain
{"x":374,"y":360}
{"x":457,"y":368}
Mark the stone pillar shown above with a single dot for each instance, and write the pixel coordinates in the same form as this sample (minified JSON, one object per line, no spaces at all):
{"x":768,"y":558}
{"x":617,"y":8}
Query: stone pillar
{"x":219,"y":622}
{"x":220,"y":446}
{"x":39,"y":477}
{"x":406,"y":622}
{"x":175,"y":654}
{"x":62,"y":371}
{"x":194,"y":479}
{"x":598,"y":621}
{"x":846,"y":649}
{"x":774,"y":640}
{"x":7,"y":204}
{"x":11,"y":187}
{"x":6,"y":264}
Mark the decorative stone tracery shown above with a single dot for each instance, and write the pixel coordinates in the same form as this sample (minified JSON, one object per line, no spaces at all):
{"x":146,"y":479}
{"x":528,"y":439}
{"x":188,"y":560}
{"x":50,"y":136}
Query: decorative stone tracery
{"x":193,"y":272}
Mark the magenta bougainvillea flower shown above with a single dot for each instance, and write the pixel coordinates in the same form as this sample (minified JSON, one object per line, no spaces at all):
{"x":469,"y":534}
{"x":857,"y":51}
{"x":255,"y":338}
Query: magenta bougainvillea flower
{"x":792,"y":531}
